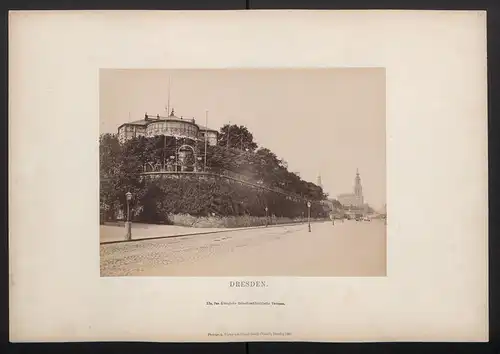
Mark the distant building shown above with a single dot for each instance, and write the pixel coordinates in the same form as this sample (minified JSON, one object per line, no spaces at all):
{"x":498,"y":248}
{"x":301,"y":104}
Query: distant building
{"x":172,"y":126}
{"x":354,"y":200}
{"x":318,"y":181}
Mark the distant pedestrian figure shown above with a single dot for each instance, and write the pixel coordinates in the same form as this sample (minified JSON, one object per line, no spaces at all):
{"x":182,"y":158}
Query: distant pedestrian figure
{"x":333,"y":219}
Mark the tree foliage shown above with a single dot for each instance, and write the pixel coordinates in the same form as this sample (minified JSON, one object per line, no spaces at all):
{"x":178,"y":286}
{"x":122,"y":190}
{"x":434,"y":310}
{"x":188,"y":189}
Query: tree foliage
{"x":236,"y":137}
{"x":263,"y":167}
{"x":336,"y":204}
{"x":121,"y":165}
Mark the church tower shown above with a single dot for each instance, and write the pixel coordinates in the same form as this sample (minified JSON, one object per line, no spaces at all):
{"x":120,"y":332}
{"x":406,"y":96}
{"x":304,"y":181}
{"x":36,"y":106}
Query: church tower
{"x":358,"y":190}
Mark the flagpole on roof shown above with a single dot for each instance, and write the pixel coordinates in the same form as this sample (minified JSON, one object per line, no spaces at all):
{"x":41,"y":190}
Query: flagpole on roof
{"x":206,"y":128}
{"x":168,"y":100}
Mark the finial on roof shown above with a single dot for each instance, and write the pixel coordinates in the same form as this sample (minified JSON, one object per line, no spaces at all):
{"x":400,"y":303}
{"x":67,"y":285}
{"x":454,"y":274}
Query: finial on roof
{"x":357,"y":171}
{"x":172,"y":113}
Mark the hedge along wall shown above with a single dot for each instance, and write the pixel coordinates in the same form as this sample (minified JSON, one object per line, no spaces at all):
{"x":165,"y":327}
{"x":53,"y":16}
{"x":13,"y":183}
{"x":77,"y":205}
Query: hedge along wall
{"x":205,"y":196}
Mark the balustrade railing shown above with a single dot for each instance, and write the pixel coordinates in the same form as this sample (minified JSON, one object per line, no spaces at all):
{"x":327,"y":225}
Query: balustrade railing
{"x":196,"y":169}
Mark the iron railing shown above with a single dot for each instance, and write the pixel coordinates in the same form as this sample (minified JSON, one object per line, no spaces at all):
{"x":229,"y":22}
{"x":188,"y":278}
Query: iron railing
{"x":173,"y":169}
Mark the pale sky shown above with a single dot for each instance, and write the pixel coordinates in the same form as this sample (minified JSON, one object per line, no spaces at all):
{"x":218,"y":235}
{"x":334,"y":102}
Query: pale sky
{"x":321,"y":121}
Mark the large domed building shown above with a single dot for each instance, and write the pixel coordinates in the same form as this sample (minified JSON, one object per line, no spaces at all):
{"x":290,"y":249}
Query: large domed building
{"x":171,"y":125}
{"x":186,"y":133}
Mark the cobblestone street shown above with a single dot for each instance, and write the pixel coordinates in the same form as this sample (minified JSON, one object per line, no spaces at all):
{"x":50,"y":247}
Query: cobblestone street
{"x":346,"y":249}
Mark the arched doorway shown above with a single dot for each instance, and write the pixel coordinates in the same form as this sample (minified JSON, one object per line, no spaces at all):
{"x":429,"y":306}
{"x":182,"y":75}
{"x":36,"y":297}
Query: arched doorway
{"x":187,"y":157}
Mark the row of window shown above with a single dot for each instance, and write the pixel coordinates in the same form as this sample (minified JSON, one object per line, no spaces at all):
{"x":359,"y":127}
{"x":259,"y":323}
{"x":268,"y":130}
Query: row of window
{"x":153,"y":133}
{"x":173,"y":131}
{"x":123,"y":138}
{"x":173,"y":125}
{"x":131,"y":128}
{"x":159,"y":128}
{"x":128,"y":133}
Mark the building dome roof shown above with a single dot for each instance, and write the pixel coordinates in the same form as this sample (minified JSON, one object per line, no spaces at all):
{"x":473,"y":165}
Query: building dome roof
{"x":151,"y":119}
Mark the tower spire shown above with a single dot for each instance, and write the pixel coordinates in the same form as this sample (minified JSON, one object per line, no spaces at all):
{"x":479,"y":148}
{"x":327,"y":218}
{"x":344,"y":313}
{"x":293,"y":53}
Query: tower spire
{"x":358,"y":190}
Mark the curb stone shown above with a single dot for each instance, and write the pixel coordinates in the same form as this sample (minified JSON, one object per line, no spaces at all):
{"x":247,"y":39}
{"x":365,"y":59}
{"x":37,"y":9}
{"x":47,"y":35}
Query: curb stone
{"x":206,"y":232}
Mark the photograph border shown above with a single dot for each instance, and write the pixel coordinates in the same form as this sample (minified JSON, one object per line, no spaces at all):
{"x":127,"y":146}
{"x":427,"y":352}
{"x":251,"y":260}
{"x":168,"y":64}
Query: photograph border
{"x":493,"y":56}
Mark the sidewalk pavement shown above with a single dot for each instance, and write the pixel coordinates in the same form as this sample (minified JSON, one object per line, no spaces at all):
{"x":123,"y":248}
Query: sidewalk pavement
{"x":116,"y":233}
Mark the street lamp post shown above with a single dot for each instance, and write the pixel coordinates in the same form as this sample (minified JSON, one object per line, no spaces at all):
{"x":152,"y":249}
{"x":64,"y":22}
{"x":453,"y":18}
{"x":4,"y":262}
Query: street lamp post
{"x":128,"y":224}
{"x":309,"y":215}
{"x":267,"y":220}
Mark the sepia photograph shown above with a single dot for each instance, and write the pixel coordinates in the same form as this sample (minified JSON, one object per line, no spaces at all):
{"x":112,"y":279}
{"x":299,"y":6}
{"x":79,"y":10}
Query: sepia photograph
{"x":242,"y":172}
{"x":248,"y":176}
